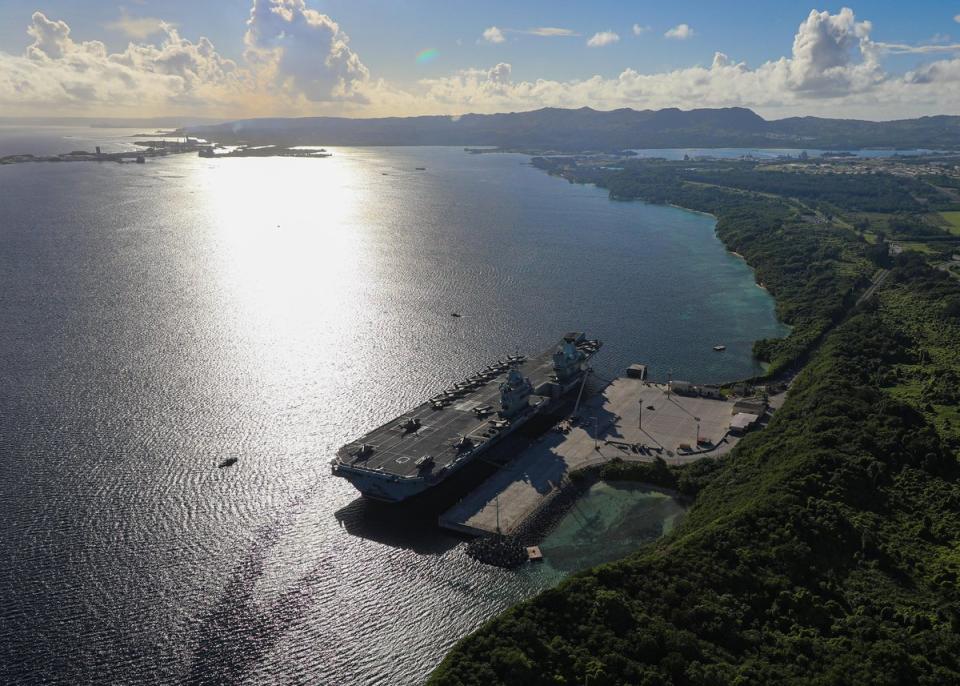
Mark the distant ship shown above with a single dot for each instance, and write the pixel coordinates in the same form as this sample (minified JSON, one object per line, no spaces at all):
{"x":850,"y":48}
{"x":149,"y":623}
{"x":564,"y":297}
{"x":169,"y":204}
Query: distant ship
{"x":418,"y":450}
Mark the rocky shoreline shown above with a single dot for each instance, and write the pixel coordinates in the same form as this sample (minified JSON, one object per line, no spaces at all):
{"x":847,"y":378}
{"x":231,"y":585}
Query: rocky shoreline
{"x":510,"y":551}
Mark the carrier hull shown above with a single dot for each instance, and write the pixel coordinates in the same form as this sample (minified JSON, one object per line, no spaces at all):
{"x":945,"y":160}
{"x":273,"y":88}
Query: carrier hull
{"x":425,"y":446}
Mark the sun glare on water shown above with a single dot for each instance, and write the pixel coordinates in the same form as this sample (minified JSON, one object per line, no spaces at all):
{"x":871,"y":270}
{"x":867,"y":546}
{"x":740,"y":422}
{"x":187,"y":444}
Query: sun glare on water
{"x":288,"y":240}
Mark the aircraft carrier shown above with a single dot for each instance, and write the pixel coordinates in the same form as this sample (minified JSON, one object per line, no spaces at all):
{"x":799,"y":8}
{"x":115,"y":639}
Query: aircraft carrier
{"x":421,"y":448}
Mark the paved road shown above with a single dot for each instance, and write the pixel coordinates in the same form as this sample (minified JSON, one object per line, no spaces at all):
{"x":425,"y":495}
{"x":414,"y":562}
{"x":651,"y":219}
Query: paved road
{"x":878,"y":280}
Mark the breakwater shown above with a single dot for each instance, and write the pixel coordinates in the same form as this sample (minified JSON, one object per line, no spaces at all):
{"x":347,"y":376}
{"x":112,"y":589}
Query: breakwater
{"x":510,"y":550}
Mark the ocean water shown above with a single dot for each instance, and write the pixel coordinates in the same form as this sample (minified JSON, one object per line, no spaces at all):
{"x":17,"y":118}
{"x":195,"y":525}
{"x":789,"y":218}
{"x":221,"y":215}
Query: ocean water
{"x":159,"y":318}
{"x":16,"y":139}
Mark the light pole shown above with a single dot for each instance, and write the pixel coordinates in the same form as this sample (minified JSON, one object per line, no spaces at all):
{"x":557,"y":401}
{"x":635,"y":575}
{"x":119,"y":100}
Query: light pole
{"x":596,"y":434}
{"x":698,"y":432}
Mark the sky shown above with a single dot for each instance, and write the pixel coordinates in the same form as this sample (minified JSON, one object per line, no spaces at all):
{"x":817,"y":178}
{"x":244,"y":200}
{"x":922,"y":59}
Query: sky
{"x":364,"y":58}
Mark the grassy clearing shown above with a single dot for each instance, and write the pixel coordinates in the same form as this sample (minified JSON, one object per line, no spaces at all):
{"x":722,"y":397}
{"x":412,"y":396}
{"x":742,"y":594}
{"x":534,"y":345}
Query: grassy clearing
{"x":916,"y":246}
{"x":953,"y":221}
{"x":825,"y":549}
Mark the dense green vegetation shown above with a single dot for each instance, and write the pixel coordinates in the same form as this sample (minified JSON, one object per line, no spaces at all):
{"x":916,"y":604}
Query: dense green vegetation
{"x":688,"y":479}
{"x":873,"y":193}
{"x":926,"y":303}
{"x":812,"y":267}
{"x":825,"y":550}
{"x":952,"y":220}
{"x":660,"y":180}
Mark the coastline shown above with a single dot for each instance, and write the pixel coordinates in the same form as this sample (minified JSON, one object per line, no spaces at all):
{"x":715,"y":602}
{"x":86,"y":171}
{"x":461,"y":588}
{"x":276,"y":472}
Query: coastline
{"x":690,"y":209}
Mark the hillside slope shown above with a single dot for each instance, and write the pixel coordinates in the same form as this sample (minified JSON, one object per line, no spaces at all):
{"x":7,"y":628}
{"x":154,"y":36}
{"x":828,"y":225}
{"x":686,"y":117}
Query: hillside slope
{"x":826,"y":551}
{"x":589,"y":129}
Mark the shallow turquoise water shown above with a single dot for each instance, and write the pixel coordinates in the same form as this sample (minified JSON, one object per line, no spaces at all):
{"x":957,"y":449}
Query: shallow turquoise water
{"x":609,"y":522}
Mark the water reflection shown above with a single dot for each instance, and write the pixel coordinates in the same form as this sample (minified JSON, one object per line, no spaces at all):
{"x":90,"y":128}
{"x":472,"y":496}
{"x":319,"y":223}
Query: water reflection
{"x":290,"y":250}
{"x":177,"y":324}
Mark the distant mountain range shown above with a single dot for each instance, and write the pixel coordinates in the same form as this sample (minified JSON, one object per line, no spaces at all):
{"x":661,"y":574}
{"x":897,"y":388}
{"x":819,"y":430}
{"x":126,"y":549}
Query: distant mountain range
{"x":588,"y":129}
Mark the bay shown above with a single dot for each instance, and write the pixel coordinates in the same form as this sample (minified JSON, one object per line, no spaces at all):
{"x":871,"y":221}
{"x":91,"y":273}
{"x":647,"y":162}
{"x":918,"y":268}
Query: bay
{"x":160,"y":318}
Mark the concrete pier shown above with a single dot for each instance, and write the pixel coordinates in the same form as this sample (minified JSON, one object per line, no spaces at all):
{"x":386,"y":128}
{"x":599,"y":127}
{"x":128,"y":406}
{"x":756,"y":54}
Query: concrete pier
{"x":631,"y":419}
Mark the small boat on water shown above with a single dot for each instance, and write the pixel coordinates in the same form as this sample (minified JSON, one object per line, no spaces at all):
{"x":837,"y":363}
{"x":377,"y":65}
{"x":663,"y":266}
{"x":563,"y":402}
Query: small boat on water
{"x":229,"y":462}
{"x":720,"y":348}
{"x":455,"y":314}
{"x":420,"y":168}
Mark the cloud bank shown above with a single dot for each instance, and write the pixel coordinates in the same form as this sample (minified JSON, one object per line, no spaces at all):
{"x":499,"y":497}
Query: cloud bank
{"x":299,"y":61}
{"x":58,"y":73}
{"x":833,"y":69}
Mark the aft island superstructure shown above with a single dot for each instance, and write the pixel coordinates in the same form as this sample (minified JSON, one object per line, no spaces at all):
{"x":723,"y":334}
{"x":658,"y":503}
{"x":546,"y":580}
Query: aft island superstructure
{"x":421,"y":448}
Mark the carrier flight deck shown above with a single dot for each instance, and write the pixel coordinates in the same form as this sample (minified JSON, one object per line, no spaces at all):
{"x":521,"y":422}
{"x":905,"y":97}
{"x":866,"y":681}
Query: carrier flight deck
{"x":424,"y":446}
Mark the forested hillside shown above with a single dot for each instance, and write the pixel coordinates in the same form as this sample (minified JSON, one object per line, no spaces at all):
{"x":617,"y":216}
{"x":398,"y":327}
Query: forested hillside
{"x":582,"y":129}
{"x":825,"y":551}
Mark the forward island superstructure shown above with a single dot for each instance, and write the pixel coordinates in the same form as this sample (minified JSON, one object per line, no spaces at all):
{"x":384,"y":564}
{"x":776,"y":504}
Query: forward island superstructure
{"x":421,"y":448}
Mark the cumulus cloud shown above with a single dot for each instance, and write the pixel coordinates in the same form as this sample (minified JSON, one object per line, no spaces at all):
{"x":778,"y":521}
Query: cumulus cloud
{"x":299,"y":61}
{"x":493,"y":35}
{"x":639,"y":30}
{"x":56,"y":71}
{"x":833,"y":69}
{"x":680,"y":32}
{"x":602,"y":38}
{"x":500,"y":74}
{"x":833,"y":55}
{"x":303,"y":51}
{"x":295,"y":59}
{"x":469,"y":89}
{"x":51,"y":39}
{"x":935,"y":74}
{"x":140,"y":28}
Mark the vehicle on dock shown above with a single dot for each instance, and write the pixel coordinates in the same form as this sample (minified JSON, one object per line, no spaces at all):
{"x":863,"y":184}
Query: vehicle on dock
{"x":422,"y":447}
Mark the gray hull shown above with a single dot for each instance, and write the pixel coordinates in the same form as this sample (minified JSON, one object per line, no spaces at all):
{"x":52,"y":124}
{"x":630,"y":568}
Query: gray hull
{"x":422,"y":448}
